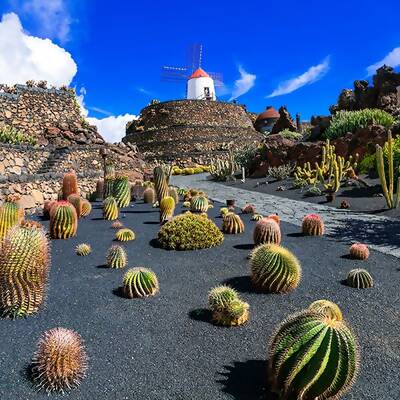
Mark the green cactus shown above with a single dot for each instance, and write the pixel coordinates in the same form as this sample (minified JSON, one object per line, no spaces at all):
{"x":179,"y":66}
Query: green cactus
{"x":167,"y":207}
{"x":122,"y":191}
{"x":25,"y":261}
{"x":110,"y":209}
{"x":173,"y":192}
{"x":267,"y":230}
{"x":312,"y":357}
{"x":125,"y":235}
{"x":199,"y":204}
{"x":108,"y":186}
{"x":140,"y":282}
{"x":63,"y":220}
{"x":117,"y":257}
{"x":160,"y":183}
{"x":83,"y":249}
{"x":360,"y":279}
{"x":11,"y":214}
{"x":274,"y":269}
{"x":328,"y":308}
{"x":220,"y":296}
{"x":232,"y":224}
{"x":223,"y":211}
{"x":182,"y":192}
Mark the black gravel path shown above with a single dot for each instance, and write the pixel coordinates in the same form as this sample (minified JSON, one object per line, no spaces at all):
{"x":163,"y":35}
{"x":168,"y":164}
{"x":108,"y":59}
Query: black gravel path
{"x":164,"y":348}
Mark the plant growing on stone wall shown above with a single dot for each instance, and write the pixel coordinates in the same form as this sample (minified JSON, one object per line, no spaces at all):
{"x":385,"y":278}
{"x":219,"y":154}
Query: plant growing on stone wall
{"x":69,"y":184}
{"x":140,"y":282}
{"x":288,"y":134}
{"x":11,"y":214}
{"x":10,"y":134}
{"x":63,"y":220}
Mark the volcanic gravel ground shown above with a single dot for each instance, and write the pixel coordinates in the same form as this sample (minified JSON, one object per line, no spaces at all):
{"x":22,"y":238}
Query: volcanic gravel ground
{"x":165,"y":347}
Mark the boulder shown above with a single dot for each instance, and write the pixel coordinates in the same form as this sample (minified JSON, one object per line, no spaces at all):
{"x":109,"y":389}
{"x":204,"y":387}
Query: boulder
{"x":285,"y":121}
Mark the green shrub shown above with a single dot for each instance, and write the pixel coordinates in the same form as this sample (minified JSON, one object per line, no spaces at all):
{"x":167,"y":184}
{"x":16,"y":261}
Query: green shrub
{"x":348,"y":121}
{"x":367,"y":163}
{"x":287,"y":134}
{"x":9,"y":134}
{"x":247,"y":157}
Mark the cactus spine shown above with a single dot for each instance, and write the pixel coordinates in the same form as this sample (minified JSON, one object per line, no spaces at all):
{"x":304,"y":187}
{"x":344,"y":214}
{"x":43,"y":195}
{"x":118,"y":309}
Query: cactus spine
{"x":232,"y":224}
{"x":110,"y":209}
{"x":160,"y":183}
{"x":167,"y":207}
{"x":11,"y":214}
{"x":122,"y":191}
{"x":140,"y":282}
{"x":69,"y":185}
{"x":63,"y":220}
{"x":117,"y":257}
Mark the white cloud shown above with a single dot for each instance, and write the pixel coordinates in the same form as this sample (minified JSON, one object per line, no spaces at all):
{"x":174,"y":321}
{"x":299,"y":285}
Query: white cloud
{"x":312,"y":75}
{"x":391,"y":59}
{"x":244,"y":84}
{"x":24,"y":57}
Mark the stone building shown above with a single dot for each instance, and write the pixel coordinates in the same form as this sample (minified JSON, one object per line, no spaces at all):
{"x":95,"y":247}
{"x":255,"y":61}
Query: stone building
{"x":266,"y":120}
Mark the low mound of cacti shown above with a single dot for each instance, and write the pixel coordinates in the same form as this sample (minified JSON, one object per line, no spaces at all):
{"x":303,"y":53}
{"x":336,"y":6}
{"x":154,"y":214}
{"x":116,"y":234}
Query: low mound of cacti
{"x":63,"y":220}
{"x":117,"y":257}
{"x":125,"y":235}
{"x":69,"y":185}
{"x":167,"y":207}
{"x":11,"y":214}
{"x":199,"y":204}
{"x":140,"y":282}
{"x":256,"y":217}
{"x":313,"y":225}
{"x":110,"y":209}
{"x":25,"y":262}
{"x":232,"y":224}
{"x":267,"y":230}
{"x":328,"y":308}
{"x":83,"y":249}
{"x":189,"y":232}
{"x":312,"y":356}
{"x":226,"y":307}
{"x":86,"y":208}
{"x":76,"y":201}
{"x":249,"y":209}
{"x":122,"y":191}
{"x":60,"y":361}
{"x":274,"y":269}
{"x":149,"y":195}
{"x":359,"y":251}
{"x":360,"y":279}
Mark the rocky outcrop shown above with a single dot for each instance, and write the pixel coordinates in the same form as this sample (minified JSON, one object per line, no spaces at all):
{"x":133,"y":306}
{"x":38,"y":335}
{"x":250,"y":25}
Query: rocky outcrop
{"x":285,"y":121}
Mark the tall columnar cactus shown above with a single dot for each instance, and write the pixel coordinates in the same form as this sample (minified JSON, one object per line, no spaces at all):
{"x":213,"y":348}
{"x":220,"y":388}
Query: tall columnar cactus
{"x":160,"y":183}
{"x":122,"y":191}
{"x":110,"y":209}
{"x":232,"y":224}
{"x":274,"y":269}
{"x":167,"y":207}
{"x":313,"y":225}
{"x":173,"y":192}
{"x":149,"y":195}
{"x":60,"y":361}
{"x":359,"y":251}
{"x":312,"y":356}
{"x":24,"y":266}
{"x":117,"y":257}
{"x":100,"y":189}
{"x":360,"y":279}
{"x":76,"y":201}
{"x":69,"y":185}
{"x":328,"y":308}
{"x":140,"y":282}
{"x":267,"y":230}
{"x":392,"y":200}
{"x":86,"y":208}
{"x":63,"y":220}
{"x":11,"y":214}
{"x":199,"y":204}
{"x":108,"y":187}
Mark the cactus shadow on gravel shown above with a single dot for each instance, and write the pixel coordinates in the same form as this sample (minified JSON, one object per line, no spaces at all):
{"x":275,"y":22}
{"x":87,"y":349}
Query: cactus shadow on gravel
{"x":241,"y":284}
{"x":201,"y":314}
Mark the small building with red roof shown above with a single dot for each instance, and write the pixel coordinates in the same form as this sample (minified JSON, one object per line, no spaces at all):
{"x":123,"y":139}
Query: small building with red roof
{"x":200,"y":86}
{"x":266,"y":120}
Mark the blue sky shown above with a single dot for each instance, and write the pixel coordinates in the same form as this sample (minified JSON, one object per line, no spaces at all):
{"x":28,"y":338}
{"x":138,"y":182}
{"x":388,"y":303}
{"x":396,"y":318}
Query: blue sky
{"x":118,"y":47}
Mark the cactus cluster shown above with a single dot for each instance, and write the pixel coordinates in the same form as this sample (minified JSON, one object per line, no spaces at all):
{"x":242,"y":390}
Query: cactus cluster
{"x":249,"y":209}
{"x":328,"y":308}
{"x":110,"y":209}
{"x":117,"y":257}
{"x":60,"y":361}
{"x":11,"y":214}
{"x":232,"y":224}
{"x":140,"y":282}
{"x":267,"y":230}
{"x":83,"y":249}
{"x":274,"y":269}
{"x":359,"y":251}
{"x":125,"y":235}
{"x":313,"y":225}
{"x":199,"y":204}
{"x":167,"y":207}
{"x":122,"y":191}
{"x":69,"y":185}
{"x":63,"y":220}
{"x":360,"y":279}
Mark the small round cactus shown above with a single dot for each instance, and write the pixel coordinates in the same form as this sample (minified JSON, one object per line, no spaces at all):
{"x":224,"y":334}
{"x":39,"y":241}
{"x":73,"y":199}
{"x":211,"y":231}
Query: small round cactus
{"x":223,"y":211}
{"x":256,"y":217}
{"x":275,"y":217}
{"x":83,"y":249}
{"x":125,"y":235}
{"x":186,"y":204}
{"x":86,"y":208}
{"x":60,"y":361}
{"x":149,"y":195}
{"x":360,"y":279}
{"x":249,"y":209}
{"x":110,"y":209}
{"x":232,"y":224}
{"x":199,"y":204}
{"x":274,"y":269}
{"x":267,"y":230}
{"x":173,"y":192}
{"x":313,"y":225}
{"x":220,"y":296}
{"x":117,"y":224}
{"x":328,"y":308}
{"x":167,"y":207}
{"x":140,"y":282}
{"x":117,"y":257}
{"x":359,"y":251}
{"x":312,"y":356}
{"x":63,"y":220}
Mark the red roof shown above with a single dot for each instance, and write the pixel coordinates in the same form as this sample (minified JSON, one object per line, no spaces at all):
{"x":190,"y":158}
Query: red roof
{"x":199,"y":73}
{"x":270,"y":112}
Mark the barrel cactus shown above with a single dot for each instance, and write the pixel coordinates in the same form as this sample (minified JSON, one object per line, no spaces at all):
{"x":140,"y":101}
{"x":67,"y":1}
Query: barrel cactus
{"x":220,"y":296}
{"x":117,"y":257}
{"x":232,"y":224}
{"x":359,"y":251}
{"x":267,"y":230}
{"x":181,"y":191}
{"x":167,"y":207}
{"x":173,"y":192}
{"x":122,"y":191}
{"x":140,"y":282}
{"x":223,"y":211}
{"x":117,"y":224}
{"x":11,"y":214}
{"x":274,"y":269}
{"x":60,"y":361}
{"x":149,"y":195}
{"x":24,"y":261}
{"x":249,"y":209}
{"x":83,"y":249}
{"x":63,"y":220}
{"x":69,"y":184}
{"x":256,"y":217}
{"x":125,"y":235}
{"x":313,"y":225}
{"x":86,"y":208}
{"x":47,"y":206}
{"x":110,"y":209}
{"x":76,"y":201}
{"x":275,"y":217}
{"x":160,"y":183}
{"x":328,"y":308}
{"x":199,"y":204}
{"x":360,"y":279}
{"x":312,"y":357}
{"x":108,"y":186}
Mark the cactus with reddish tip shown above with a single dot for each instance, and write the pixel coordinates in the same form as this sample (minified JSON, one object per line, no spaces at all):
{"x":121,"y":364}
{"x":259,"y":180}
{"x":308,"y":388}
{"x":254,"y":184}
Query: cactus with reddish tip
{"x":313,"y":225}
{"x":76,"y":201}
{"x":274,"y":269}
{"x":47,"y":207}
{"x":167,"y":207}
{"x":11,"y":214}
{"x":359,"y":251}
{"x":122,"y":191}
{"x":69,"y":184}
{"x":328,"y":308}
{"x":140,"y":282}
{"x":125,"y":235}
{"x":360,"y":279}
{"x":275,"y":217}
{"x":160,"y":183}
{"x":117,"y":257}
{"x":25,"y":261}
{"x":312,"y":357}
{"x":63,"y":220}
{"x":60,"y":361}
{"x":110,"y":209}
{"x":149,"y":195}
{"x":199,"y":204}
{"x":249,"y":209}
{"x":267,"y":230}
{"x":117,"y":224}
{"x":86,"y":208}
{"x":232,"y":224}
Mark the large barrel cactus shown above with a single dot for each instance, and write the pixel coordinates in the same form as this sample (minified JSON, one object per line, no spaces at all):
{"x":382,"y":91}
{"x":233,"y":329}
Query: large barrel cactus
{"x":11,"y":214}
{"x":327,"y":308}
{"x":160,"y":183}
{"x":69,"y":184}
{"x":199,"y":204}
{"x":24,"y":266}
{"x":122,"y":191}
{"x":232,"y":224}
{"x":140,"y":282}
{"x":311,"y":357}
{"x":267,"y":230}
{"x":63,"y":220}
{"x":167,"y":207}
{"x":110,"y":209}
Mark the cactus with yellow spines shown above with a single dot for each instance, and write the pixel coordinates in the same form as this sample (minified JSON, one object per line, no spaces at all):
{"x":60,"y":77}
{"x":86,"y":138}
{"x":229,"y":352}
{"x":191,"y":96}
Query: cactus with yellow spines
{"x":125,"y":235}
{"x":108,"y":186}
{"x":76,"y":201}
{"x":110,"y":209}
{"x":117,"y":257}
{"x":63,"y":220}
{"x":25,"y":262}
{"x":328,"y":308}
{"x":11,"y":214}
{"x":140,"y":282}
{"x":256,"y":217}
{"x":83,"y":249}
{"x":160,"y":183}
{"x":86,"y":208}
{"x":223,"y":211}
{"x":122,"y":191}
{"x":232,"y":224}
{"x":199,"y":204}
{"x":167,"y":207}
{"x":220,"y":296}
